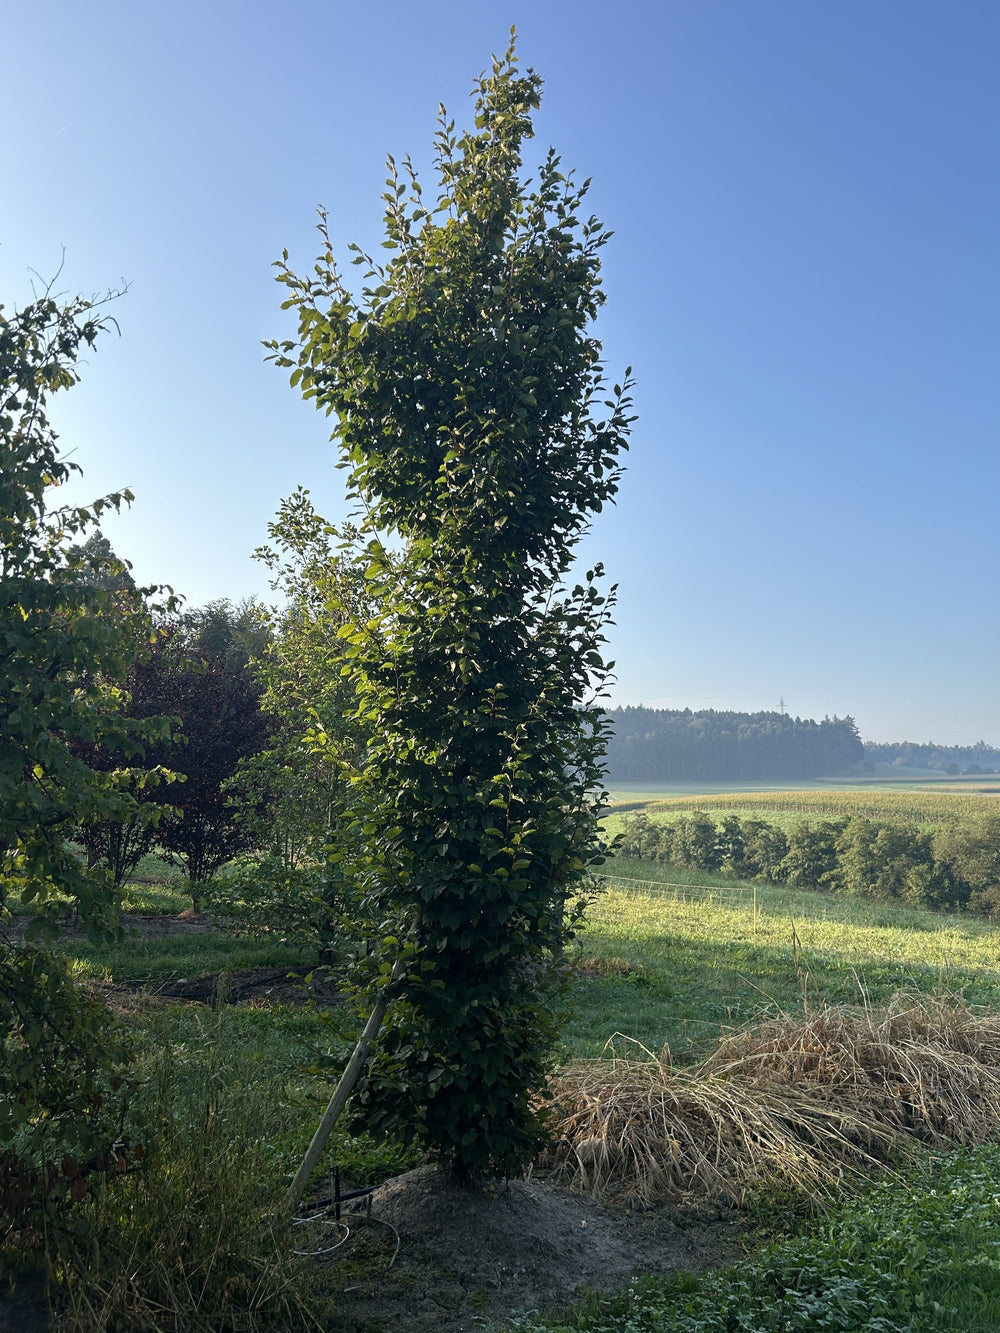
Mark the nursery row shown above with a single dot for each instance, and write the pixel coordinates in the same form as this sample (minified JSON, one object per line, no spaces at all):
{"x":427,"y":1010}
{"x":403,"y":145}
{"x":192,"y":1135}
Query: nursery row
{"x":954,"y":866}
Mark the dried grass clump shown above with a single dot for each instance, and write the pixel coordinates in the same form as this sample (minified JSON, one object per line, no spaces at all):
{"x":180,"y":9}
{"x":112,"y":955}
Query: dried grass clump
{"x":798,"y":1103}
{"x":929,"y":1069}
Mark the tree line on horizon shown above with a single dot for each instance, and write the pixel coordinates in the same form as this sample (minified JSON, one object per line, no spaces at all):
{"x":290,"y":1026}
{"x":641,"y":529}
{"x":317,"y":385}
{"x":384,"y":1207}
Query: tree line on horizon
{"x":666,"y":745}
{"x":706,"y":745}
{"x":950,"y":759}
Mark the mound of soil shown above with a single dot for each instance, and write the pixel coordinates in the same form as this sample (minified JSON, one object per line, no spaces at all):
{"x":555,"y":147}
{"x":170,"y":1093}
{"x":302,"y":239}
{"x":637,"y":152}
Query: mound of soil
{"x":435,"y":1258}
{"x":23,"y":1308}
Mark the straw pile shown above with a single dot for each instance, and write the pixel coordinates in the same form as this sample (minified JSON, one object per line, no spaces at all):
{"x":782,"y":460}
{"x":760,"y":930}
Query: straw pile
{"x":798,"y":1103}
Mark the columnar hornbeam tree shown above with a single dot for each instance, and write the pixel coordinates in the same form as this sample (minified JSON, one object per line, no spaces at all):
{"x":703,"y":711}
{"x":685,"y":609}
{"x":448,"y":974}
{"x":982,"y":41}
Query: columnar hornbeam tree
{"x":479,"y":439}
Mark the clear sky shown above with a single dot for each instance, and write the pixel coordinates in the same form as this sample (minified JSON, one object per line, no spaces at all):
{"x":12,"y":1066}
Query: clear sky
{"x":805,"y":277}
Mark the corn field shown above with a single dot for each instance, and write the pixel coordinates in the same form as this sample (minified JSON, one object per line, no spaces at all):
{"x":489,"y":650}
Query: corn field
{"x":917,"y":806}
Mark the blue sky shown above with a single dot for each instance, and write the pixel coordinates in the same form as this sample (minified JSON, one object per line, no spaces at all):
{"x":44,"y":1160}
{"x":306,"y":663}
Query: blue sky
{"x":805,"y":277}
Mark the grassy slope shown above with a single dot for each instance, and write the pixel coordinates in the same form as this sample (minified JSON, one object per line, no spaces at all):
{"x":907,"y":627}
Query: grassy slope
{"x":664,"y":970}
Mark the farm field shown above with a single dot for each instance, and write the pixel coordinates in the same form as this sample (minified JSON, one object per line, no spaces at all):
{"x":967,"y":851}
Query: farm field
{"x":925,"y":804}
{"x":885,"y":779}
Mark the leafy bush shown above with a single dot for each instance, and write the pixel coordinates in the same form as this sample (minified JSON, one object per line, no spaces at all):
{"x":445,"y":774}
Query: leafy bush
{"x":301,"y":905}
{"x":63,"y":1091}
{"x":885,"y":860}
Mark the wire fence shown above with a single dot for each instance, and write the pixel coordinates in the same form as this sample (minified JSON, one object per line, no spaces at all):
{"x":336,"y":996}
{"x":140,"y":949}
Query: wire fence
{"x":740,"y":896}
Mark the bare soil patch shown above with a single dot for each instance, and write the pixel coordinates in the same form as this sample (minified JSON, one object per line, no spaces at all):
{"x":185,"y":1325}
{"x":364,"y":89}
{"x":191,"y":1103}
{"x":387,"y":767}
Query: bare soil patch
{"x":251,"y":986}
{"x":435,"y":1258}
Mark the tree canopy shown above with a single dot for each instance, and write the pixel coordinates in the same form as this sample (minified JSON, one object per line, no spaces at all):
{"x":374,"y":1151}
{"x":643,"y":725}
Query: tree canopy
{"x":663,"y":744}
{"x":65,"y":641}
{"x":479,"y":440}
{"x":200,"y":674}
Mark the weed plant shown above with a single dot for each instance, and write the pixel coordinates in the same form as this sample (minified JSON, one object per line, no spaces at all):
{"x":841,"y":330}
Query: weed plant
{"x":917,"y":1254}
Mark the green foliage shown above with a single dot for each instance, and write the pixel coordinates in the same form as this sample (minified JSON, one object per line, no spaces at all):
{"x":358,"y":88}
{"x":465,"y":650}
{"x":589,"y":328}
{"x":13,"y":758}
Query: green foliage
{"x":311,"y":907}
{"x":695,"y":842}
{"x":467,"y":393}
{"x":893,"y":860}
{"x":61,"y":1093}
{"x":200,"y":674}
{"x":191,"y":1239}
{"x":764,"y":849}
{"x":99,"y":566}
{"x":978,"y":758}
{"x":662,"y":744}
{"x":970,"y":851}
{"x":118,"y":844}
{"x":301,"y":808}
{"x":156,"y":958}
{"x":185,"y":1234}
{"x":883,"y":859}
{"x":811,"y":859}
{"x":65,"y":640}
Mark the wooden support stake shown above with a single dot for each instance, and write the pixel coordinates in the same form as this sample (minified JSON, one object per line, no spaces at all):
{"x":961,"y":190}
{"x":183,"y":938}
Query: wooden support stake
{"x":342,"y":1091}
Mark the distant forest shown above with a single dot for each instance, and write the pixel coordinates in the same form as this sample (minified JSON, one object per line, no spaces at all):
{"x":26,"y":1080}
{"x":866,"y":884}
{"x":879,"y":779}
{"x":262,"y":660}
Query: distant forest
{"x":978,"y":758}
{"x":667,"y":745}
